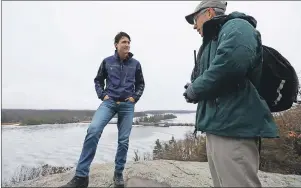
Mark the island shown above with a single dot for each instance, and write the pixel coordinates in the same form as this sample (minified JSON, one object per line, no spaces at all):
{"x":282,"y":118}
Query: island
{"x":64,"y":116}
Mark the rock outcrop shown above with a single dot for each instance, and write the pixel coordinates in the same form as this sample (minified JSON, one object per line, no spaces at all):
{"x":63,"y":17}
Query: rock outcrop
{"x":157,"y":173}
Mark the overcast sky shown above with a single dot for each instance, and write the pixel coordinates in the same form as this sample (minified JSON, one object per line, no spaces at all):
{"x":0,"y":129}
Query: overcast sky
{"x":51,"y":51}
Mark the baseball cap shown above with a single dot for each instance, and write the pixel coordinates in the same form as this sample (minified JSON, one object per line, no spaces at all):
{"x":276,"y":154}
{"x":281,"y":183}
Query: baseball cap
{"x":206,"y":4}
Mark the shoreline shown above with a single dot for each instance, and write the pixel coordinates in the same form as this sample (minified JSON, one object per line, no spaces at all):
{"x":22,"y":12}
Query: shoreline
{"x":19,"y":124}
{"x":143,"y":124}
{"x":7,"y":124}
{"x":20,"y":117}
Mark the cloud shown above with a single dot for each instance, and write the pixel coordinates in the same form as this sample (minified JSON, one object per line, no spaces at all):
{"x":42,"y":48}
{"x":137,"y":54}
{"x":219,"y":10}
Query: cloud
{"x":52,"y":50}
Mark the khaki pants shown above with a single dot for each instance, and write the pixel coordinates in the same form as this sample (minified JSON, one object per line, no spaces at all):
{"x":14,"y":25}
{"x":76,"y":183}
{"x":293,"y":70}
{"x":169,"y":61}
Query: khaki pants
{"x":233,"y":162}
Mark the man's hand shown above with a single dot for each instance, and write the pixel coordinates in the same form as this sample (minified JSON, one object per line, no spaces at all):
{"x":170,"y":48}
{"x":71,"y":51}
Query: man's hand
{"x":130,"y":99}
{"x":189,"y":95}
{"x":106,"y":97}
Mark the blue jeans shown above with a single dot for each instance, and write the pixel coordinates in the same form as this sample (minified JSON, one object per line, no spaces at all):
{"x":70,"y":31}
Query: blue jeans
{"x":101,"y":118}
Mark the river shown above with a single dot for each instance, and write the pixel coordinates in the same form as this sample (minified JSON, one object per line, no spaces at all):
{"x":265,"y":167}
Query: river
{"x":60,"y":145}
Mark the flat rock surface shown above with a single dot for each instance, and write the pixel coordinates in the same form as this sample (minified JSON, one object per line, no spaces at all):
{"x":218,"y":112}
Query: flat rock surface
{"x":142,"y":182}
{"x":157,"y":173}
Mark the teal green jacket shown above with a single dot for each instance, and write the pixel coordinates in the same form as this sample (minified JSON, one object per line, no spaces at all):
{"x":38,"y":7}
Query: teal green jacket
{"x":229,"y":104}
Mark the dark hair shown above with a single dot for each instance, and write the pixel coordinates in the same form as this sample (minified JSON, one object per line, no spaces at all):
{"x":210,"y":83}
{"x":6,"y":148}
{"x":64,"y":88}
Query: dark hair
{"x":120,"y":35}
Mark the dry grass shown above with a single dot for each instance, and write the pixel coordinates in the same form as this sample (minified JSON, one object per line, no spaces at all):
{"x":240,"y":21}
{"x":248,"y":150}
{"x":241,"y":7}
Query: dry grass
{"x":189,"y":149}
{"x":281,"y":155}
{"x":24,"y":173}
{"x":146,"y":156}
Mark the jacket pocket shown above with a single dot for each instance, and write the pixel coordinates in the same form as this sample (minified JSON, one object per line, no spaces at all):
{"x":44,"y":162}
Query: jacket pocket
{"x":114,"y":74}
{"x":130,"y":74}
{"x":229,"y":107}
{"x":206,"y":113}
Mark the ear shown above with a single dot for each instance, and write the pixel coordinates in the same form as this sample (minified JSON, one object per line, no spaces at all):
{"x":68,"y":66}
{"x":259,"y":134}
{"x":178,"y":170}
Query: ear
{"x":211,"y":13}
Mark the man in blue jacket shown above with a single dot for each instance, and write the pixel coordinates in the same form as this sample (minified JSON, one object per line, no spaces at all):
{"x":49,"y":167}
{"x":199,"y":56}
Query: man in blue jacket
{"x":124,"y":87}
{"x":230,"y":111}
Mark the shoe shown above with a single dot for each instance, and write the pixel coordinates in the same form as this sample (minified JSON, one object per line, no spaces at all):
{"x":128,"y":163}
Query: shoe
{"x":118,"y":180}
{"x":78,"y":182}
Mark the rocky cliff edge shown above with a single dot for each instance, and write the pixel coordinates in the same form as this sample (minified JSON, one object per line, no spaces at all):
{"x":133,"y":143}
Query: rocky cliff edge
{"x":157,"y":173}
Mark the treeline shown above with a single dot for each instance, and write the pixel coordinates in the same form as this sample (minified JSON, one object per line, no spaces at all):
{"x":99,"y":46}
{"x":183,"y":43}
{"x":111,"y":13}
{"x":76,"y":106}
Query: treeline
{"x":155,"y":118}
{"x":58,"y":120}
{"x":36,"y":117}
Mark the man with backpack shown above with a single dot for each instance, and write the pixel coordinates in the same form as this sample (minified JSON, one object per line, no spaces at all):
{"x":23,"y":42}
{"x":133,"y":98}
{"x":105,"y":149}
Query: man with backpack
{"x":225,"y":83}
{"x":124,"y":87}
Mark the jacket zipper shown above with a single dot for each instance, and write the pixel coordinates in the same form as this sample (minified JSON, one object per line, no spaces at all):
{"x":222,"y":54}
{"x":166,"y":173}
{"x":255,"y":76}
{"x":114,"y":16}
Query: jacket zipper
{"x":121,"y":69}
{"x":208,"y":65}
{"x":216,"y":105}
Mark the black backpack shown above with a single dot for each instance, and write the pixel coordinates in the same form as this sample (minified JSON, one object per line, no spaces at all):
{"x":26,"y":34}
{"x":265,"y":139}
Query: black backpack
{"x":279,"y":82}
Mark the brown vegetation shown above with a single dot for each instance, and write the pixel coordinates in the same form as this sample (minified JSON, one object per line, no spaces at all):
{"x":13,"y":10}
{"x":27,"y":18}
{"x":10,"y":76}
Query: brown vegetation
{"x":24,"y":173}
{"x":282,"y":155}
{"x":189,"y":149}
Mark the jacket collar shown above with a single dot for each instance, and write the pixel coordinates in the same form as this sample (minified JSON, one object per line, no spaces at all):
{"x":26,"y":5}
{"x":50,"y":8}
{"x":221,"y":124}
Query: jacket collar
{"x":128,"y":58}
{"x":212,"y":27}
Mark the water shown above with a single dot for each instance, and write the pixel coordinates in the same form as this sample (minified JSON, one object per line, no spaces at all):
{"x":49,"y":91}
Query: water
{"x":60,"y":145}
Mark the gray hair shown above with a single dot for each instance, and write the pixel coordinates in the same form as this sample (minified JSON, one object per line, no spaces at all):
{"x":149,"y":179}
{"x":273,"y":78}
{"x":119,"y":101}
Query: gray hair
{"x":219,"y":11}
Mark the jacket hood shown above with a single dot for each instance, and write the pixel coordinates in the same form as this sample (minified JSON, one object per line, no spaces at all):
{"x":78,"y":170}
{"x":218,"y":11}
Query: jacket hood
{"x":212,"y":27}
{"x":240,"y":15}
